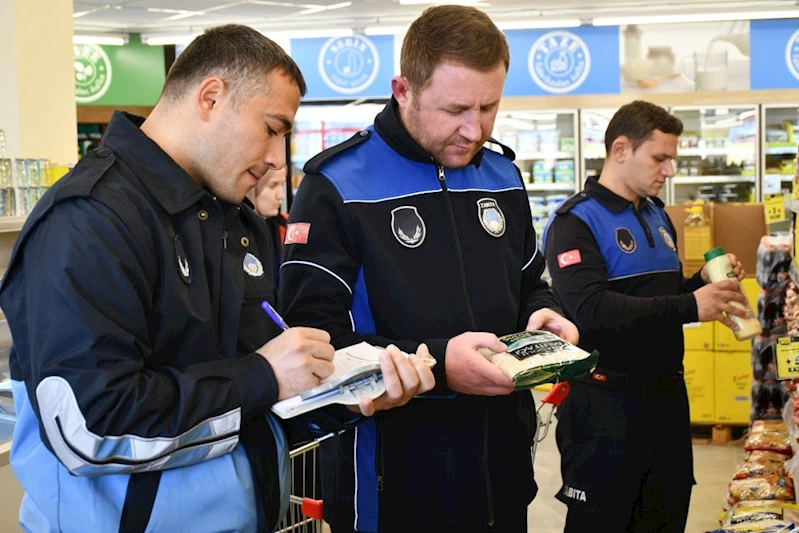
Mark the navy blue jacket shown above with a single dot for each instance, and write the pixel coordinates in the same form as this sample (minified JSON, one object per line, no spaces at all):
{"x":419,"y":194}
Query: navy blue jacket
{"x":616,"y":273}
{"x":384,"y":245}
{"x":133,"y":297}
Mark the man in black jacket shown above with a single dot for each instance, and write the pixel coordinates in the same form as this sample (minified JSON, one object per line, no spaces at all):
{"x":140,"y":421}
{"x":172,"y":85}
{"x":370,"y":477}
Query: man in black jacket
{"x":624,"y":432}
{"x":143,"y":368}
{"x":411,"y":231}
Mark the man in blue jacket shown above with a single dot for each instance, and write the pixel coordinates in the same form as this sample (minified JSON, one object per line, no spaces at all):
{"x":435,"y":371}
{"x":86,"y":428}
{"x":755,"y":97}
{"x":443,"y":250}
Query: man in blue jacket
{"x":411,"y":231}
{"x":623,"y":432}
{"x":143,"y":368}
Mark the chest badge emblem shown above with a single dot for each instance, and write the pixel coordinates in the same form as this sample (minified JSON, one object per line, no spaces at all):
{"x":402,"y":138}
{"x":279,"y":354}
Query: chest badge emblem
{"x":407,"y":226}
{"x":182,"y":260}
{"x":491,"y":217}
{"x":667,"y":238}
{"x":625,"y":240}
{"x":252,"y":266}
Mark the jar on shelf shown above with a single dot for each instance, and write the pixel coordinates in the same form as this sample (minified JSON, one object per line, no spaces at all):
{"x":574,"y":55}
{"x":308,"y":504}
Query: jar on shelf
{"x":662,"y":60}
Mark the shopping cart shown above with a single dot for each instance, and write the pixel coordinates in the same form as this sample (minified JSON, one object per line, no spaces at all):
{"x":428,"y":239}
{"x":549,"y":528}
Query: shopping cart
{"x":305,"y":511}
{"x":554,"y":398}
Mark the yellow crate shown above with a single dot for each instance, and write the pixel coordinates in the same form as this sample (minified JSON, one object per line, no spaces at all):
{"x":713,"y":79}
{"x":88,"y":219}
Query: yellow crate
{"x":698,"y":336}
{"x":701,"y":385}
{"x":723,"y":336}
{"x":733,"y":387}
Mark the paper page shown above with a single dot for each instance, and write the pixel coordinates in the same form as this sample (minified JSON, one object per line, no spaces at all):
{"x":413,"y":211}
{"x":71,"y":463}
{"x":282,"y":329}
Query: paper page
{"x":352,"y":358}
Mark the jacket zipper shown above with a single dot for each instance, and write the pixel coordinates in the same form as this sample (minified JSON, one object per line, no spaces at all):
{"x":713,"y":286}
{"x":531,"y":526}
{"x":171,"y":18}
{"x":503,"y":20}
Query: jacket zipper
{"x":380,"y":467}
{"x":649,"y":239}
{"x":443,"y":182}
{"x":442,"y":179}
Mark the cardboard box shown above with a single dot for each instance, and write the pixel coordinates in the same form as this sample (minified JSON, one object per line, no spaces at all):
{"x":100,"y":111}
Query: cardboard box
{"x":725,"y":340}
{"x":698,"y":336}
{"x":733,"y":387}
{"x":700,"y":382}
{"x":736,"y":227}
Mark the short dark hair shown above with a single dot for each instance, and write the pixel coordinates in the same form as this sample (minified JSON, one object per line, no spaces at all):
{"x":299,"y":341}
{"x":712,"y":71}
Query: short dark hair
{"x":460,"y":34}
{"x":241,"y":56}
{"x":638,"y":121}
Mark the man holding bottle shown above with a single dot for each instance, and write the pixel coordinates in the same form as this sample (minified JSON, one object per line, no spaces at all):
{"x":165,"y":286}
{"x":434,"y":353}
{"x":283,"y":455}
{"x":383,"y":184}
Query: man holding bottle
{"x":624,"y":431}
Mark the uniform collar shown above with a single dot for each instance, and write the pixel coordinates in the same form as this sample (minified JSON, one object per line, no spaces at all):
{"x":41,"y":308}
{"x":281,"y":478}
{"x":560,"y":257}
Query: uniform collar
{"x":610,"y":199}
{"x":171,"y":186}
{"x":391,"y":129}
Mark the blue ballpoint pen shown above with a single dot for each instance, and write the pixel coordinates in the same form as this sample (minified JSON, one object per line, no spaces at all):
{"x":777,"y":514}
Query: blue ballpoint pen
{"x":276,"y":318}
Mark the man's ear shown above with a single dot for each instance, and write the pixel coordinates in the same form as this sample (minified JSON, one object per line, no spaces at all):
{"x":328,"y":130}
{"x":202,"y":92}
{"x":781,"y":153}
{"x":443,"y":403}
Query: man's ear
{"x":209,"y":95}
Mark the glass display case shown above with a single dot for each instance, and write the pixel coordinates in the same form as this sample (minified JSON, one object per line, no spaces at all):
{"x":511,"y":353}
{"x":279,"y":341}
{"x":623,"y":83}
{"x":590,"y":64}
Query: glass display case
{"x":546,"y":153}
{"x":318,"y":127}
{"x":592,"y":143}
{"x":717,"y":155}
{"x":780,"y":139}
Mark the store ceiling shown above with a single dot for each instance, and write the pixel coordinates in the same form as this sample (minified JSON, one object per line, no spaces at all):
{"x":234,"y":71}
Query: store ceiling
{"x":191,"y":16}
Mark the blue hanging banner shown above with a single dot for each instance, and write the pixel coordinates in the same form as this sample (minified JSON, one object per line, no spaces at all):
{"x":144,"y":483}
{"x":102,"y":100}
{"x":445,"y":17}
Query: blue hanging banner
{"x":774,"y":49}
{"x":345,"y":67}
{"x":582,"y":60}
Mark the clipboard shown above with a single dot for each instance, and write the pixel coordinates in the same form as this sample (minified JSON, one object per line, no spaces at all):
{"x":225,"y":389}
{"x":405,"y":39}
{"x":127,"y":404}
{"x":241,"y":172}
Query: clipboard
{"x":350,"y":379}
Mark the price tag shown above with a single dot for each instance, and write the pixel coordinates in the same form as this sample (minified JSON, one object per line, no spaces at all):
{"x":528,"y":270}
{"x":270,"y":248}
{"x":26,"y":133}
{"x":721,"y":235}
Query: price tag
{"x":775,"y":208}
{"x":787,"y":357}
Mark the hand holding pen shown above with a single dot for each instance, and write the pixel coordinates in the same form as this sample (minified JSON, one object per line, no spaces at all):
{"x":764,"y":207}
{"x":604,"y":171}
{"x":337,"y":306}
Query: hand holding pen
{"x":309,"y":361}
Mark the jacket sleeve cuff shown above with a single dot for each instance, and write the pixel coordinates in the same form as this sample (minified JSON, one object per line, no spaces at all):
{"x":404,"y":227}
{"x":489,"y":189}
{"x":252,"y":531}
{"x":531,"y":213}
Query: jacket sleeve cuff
{"x":256,"y":384}
{"x":694,"y":282}
{"x":438,"y":349}
{"x":688,"y":310}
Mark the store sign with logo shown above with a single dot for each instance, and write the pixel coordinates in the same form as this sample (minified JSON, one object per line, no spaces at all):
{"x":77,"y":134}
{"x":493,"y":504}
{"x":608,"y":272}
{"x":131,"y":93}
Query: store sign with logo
{"x":563,"y":61}
{"x":93,"y":72}
{"x":130,"y":75}
{"x":346,"y":67}
{"x":775,"y":54}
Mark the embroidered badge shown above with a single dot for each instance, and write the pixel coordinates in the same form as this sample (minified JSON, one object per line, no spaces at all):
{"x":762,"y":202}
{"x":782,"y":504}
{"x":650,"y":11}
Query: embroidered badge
{"x":182,"y":260}
{"x":491,"y":216}
{"x":297,"y":233}
{"x":625,"y":240}
{"x":407,"y":226}
{"x":572,"y":257}
{"x":667,"y":238}
{"x":252,"y":266}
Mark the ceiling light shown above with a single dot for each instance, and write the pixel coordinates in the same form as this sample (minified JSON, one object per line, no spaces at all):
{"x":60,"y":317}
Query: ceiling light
{"x":456,"y":2}
{"x":318,"y":9}
{"x":696,"y":17}
{"x":161,"y":40}
{"x":300,"y":34}
{"x":110,"y":39}
{"x":385,"y":30}
{"x":536,"y":24}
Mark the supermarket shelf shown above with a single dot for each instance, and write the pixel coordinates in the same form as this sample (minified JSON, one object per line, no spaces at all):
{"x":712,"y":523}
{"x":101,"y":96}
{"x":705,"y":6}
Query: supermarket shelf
{"x":550,"y":187}
{"x":525,"y":156}
{"x":11,"y":224}
{"x":781,"y":150}
{"x":702,"y":152}
{"x":594,"y":152}
{"x":783,"y":177}
{"x":710,"y":180}
{"x":793,"y":273}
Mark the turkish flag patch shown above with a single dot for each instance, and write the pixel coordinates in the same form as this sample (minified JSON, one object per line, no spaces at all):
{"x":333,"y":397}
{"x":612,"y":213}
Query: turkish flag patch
{"x":572,"y":257}
{"x":297,"y":233}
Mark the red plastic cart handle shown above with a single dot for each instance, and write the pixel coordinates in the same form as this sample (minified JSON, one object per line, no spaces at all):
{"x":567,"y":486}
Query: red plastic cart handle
{"x":557,"y":394}
{"x":312,"y":508}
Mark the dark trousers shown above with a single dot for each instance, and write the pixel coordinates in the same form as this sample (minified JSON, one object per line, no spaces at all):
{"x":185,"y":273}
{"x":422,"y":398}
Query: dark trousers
{"x":626,"y":460}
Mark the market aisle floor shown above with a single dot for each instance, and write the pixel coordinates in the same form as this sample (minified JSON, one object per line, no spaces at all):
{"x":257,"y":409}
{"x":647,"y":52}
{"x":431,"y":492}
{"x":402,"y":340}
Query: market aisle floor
{"x":714,"y":466}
